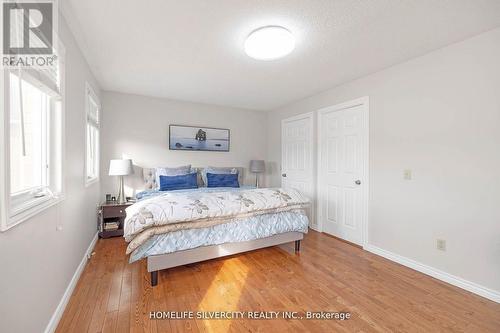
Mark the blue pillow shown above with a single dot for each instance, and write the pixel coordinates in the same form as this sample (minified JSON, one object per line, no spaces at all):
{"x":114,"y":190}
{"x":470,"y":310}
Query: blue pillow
{"x":181,"y":182}
{"x":217,"y":170}
{"x":222,"y":180}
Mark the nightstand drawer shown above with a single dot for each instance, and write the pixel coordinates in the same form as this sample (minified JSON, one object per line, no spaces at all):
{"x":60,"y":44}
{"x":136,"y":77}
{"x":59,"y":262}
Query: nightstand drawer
{"x":114,"y":211}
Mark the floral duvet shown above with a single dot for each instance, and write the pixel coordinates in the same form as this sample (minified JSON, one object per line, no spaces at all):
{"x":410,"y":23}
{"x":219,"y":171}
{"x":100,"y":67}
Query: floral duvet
{"x":173,"y":211}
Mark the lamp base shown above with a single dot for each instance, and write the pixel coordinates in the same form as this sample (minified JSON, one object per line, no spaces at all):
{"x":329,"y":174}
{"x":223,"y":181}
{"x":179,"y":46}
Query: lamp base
{"x":121,"y":192}
{"x":256,"y":179}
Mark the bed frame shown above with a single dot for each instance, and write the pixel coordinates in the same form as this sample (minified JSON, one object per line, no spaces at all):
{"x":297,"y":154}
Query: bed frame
{"x":169,"y":260}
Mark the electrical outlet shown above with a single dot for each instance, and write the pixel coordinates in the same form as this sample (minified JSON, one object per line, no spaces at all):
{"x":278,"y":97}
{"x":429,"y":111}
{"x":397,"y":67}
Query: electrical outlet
{"x":407,"y":174}
{"x":441,"y":245}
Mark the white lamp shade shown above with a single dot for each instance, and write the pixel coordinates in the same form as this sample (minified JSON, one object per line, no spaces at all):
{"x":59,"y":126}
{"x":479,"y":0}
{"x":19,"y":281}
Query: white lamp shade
{"x":120,"y":167}
{"x":257,"y":166}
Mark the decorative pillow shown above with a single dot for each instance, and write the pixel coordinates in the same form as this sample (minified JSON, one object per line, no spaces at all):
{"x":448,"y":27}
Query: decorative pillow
{"x":222,"y":180}
{"x":181,"y":182}
{"x":216,"y":170}
{"x":182,"y":170}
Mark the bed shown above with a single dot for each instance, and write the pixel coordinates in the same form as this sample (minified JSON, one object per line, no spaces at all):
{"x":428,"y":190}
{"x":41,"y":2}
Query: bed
{"x":180,"y":227}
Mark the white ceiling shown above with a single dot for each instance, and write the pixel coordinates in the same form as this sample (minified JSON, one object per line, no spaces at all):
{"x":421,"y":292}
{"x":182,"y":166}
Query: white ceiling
{"x":193,"y":50}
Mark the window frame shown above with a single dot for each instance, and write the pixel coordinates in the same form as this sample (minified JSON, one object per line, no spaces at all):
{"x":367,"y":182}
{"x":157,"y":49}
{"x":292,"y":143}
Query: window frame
{"x":91,"y":96}
{"x":9,"y":216}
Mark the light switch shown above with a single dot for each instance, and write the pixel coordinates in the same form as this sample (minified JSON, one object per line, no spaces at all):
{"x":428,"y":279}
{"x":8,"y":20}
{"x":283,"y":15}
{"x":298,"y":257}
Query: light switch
{"x":407,"y":174}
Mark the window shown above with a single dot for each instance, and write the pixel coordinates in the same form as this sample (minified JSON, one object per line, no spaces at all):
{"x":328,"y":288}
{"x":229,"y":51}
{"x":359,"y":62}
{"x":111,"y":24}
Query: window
{"x":29,"y":128}
{"x":92,"y":135}
{"x":31,"y":157}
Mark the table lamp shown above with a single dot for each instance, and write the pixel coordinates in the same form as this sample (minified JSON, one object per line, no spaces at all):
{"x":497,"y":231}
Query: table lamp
{"x":121,"y":168}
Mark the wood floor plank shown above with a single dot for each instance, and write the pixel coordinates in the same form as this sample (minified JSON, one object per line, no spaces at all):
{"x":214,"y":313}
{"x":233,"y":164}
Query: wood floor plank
{"x":110,"y":322}
{"x":123,"y":318}
{"x":328,"y":275}
{"x":83,"y":295}
{"x":88,"y":305}
{"x":136,"y":314}
{"x":99,"y":313}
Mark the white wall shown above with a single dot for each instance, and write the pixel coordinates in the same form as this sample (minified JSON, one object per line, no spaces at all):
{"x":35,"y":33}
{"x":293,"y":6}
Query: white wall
{"x":137,"y":127}
{"x":438,"y":115}
{"x":36,"y":261}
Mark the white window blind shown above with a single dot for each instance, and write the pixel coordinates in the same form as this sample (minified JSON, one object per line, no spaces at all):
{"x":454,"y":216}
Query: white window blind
{"x":44,"y":77}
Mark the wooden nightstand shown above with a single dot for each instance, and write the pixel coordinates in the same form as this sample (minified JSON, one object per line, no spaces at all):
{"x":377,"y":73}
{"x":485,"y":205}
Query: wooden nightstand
{"x":110,"y":214}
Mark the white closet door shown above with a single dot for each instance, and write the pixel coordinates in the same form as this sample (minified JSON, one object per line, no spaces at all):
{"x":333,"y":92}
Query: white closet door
{"x":342,"y":167}
{"x":297,"y":163}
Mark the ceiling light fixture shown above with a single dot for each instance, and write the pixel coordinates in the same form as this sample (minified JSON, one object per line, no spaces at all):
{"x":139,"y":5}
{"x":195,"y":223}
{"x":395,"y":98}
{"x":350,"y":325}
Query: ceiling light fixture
{"x":269,"y":43}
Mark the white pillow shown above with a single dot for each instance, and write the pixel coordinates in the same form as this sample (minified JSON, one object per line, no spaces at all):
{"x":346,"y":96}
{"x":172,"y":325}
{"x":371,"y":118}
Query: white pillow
{"x":178,"y":171}
{"x":216,"y":170}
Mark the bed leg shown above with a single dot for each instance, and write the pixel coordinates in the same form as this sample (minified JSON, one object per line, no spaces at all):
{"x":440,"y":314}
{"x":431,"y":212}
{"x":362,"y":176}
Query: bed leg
{"x":154,"y":278}
{"x":297,"y":246}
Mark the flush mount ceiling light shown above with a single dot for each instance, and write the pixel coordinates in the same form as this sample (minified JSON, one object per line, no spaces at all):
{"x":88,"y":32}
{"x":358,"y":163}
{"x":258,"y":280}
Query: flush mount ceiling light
{"x":269,"y":43}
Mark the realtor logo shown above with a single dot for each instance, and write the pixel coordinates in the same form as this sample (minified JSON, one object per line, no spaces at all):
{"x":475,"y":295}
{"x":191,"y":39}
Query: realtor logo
{"x":28,"y":32}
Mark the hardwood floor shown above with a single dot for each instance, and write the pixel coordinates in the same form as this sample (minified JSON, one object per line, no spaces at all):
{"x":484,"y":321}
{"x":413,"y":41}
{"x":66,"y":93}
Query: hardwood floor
{"x":328,"y":275}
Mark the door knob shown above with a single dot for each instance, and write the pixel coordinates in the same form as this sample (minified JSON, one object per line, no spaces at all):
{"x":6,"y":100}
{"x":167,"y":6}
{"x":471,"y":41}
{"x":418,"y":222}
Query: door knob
{"x":283,"y":175}
{"x":357,"y":182}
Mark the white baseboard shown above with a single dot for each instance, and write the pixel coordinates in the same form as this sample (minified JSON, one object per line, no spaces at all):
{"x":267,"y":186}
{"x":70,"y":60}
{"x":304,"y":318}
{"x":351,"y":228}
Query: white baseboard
{"x":54,"y":321}
{"x":436,"y":273}
{"x":314,"y":227}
